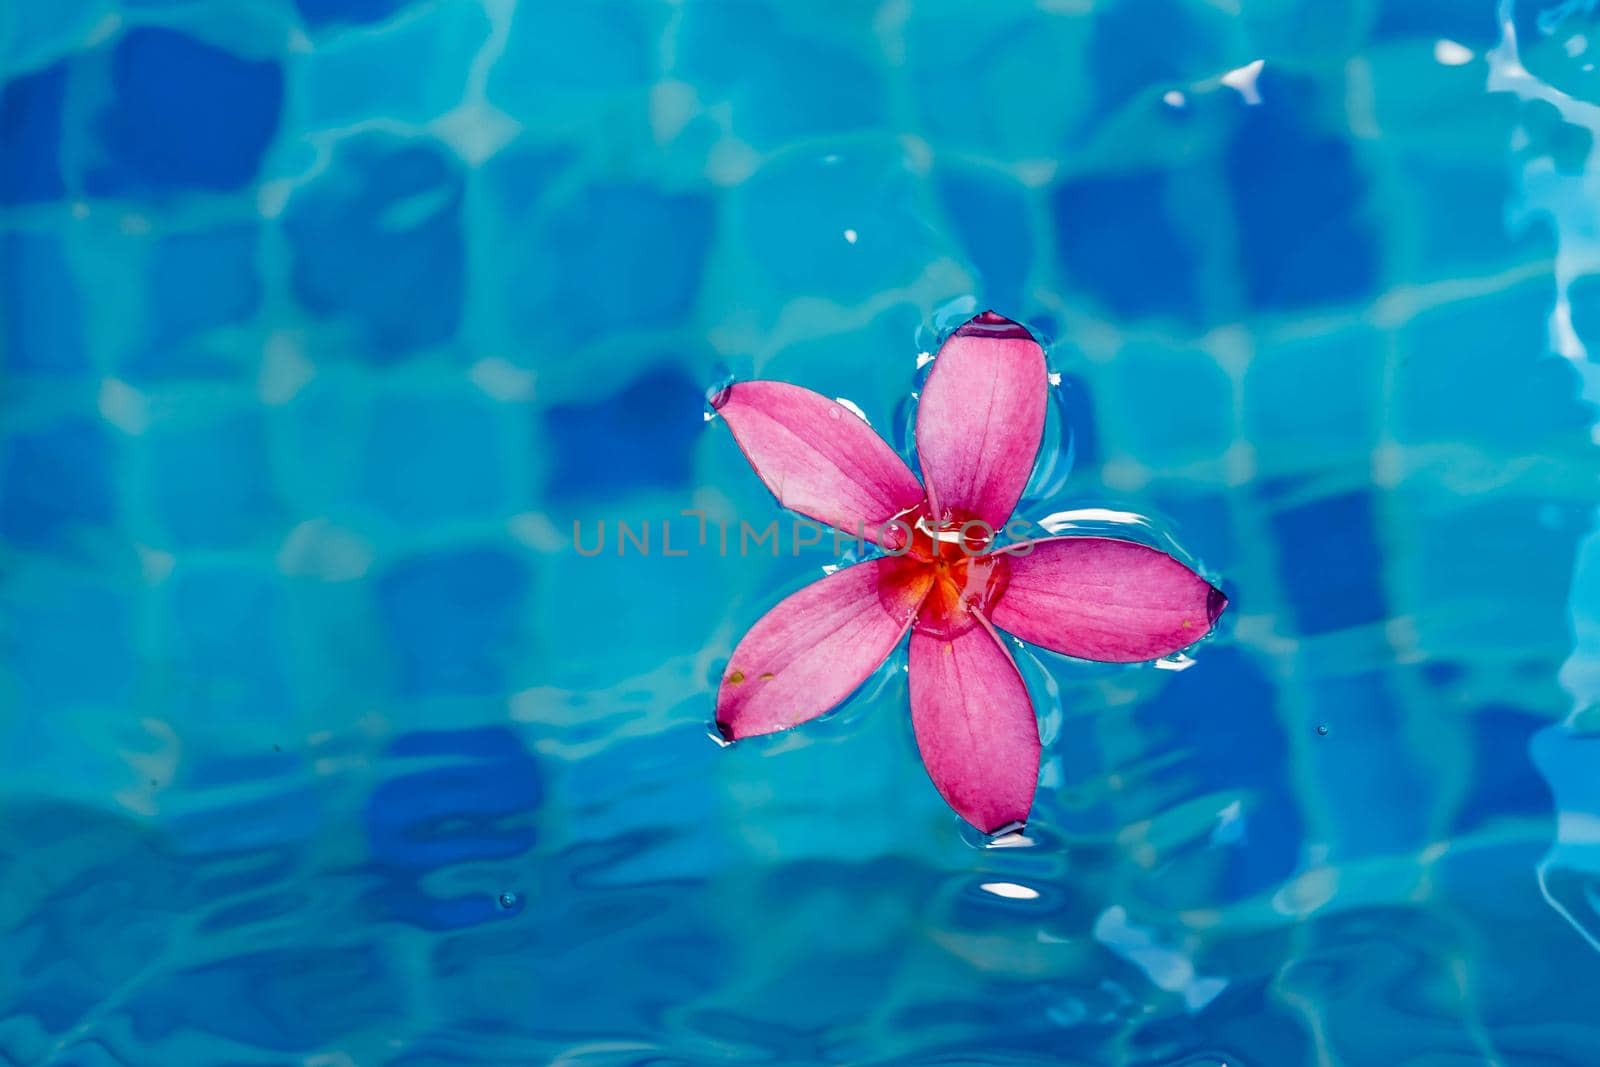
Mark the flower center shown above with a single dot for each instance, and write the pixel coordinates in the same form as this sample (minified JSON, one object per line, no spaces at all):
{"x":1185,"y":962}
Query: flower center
{"x":952,"y":553}
{"x":962,"y":587}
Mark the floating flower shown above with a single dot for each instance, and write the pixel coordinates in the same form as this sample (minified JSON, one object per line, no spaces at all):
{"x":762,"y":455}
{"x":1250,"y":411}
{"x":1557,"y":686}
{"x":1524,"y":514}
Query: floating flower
{"x":979,"y":425}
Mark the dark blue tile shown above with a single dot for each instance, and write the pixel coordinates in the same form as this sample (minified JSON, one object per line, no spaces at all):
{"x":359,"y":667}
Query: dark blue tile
{"x":472,"y":800}
{"x":640,"y":437}
{"x":317,"y":12}
{"x":1329,"y":562}
{"x":378,"y":239}
{"x":990,"y":215}
{"x":1201,"y":522}
{"x":185,"y":116}
{"x":41,"y":311}
{"x":1118,"y":242}
{"x":1243,"y":751}
{"x":453,"y":620}
{"x":1300,"y":200}
{"x":1473,"y":25}
{"x":1504,"y":782}
{"x":213,"y":483}
{"x":57,"y":482}
{"x":631,"y":257}
{"x":30,"y":131}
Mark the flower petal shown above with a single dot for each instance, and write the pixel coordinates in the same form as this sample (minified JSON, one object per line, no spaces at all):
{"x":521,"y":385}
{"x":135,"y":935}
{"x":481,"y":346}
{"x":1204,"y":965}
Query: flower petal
{"x":808,"y":653}
{"x":1104,"y":599}
{"x":980,"y":420}
{"x":817,"y":457}
{"x":975,"y":726}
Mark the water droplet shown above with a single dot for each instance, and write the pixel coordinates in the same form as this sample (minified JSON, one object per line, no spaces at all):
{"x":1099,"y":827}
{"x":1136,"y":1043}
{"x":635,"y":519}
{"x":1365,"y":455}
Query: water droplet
{"x":508,"y":900}
{"x":1322,"y":729}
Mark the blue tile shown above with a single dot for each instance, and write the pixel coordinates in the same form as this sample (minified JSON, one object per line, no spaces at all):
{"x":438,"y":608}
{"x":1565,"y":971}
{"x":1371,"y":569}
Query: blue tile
{"x":378,"y":239}
{"x":69,"y":643}
{"x":185,"y":116}
{"x":1460,"y":219}
{"x":1550,"y":134}
{"x":1313,"y":400}
{"x":348,"y":78}
{"x":202,"y":280}
{"x":633,"y":259}
{"x":1481,"y":562}
{"x":990,"y":215}
{"x":212,"y":484}
{"x":1118,"y":242}
{"x":30,"y":130}
{"x":58,"y":482}
{"x":565,"y":48}
{"x":1126,"y":59}
{"x":41,"y":310}
{"x":1367,"y":762}
{"x":453,"y":620}
{"x":844,"y":91}
{"x":1518,"y":394}
{"x":1300,"y":201}
{"x":319,"y":12}
{"x":228,"y":623}
{"x":845,"y":226}
{"x":432,"y":457}
{"x":1190,"y":416}
{"x":518,"y":176}
{"x":641,"y":437}
{"x":1329,"y":562}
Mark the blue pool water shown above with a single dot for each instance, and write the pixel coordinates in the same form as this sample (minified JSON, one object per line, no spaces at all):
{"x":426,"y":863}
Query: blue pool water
{"x":322,"y":322}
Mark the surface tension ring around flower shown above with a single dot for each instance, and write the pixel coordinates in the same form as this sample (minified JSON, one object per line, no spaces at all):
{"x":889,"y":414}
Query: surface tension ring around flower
{"x":978,"y":429}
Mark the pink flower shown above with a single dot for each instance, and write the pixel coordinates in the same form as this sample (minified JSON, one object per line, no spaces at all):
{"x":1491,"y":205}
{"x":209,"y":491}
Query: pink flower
{"x":978,"y":431}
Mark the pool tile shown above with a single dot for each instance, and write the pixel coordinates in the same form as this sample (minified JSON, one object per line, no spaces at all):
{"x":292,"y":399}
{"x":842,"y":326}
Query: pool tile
{"x":211,"y":484}
{"x":453,"y":619}
{"x":230,"y":108}
{"x":378,"y":241}
{"x":1300,"y":198}
{"x":1116,"y":240}
{"x":41,"y":307}
{"x":30,"y":127}
{"x":1330,"y":562}
{"x":58,"y":483}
